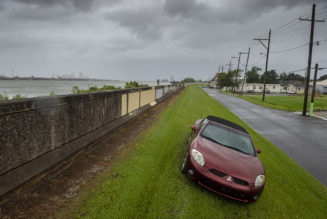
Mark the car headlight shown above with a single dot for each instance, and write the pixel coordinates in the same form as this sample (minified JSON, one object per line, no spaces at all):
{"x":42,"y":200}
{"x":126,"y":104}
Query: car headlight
{"x":198,"y":157}
{"x":260,"y":180}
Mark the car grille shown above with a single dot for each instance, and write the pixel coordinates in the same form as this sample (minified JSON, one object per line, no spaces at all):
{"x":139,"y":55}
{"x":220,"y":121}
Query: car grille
{"x":223,"y":190}
{"x":236,"y":180}
{"x":218,"y":173}
{"x":240,"y":181}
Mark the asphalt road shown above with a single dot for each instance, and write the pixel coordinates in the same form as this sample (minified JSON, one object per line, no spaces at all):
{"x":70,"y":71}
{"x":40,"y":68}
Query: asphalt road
{"x":304,"y":139}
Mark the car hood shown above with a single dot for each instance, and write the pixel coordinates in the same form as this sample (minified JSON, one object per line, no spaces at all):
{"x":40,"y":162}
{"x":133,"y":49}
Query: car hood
{"x":229,"y":161}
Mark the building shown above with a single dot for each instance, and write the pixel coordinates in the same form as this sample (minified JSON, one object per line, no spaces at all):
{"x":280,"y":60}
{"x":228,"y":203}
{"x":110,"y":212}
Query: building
{"x":297,"y":88}
{"x":273,"y":88}
{"x":321,"y":86}
{"x":258,"y":88}
{"x":214,"y":81}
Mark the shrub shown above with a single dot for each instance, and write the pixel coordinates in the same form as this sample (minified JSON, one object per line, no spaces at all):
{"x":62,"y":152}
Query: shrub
{"x":3,"y":98}
{"x":18,"y":97}
{"x":134,"y":84}
{"x":52,"y":93}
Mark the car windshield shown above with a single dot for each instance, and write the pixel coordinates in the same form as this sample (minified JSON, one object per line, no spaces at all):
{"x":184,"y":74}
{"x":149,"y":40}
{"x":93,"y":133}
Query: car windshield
{"x":228,"y":138}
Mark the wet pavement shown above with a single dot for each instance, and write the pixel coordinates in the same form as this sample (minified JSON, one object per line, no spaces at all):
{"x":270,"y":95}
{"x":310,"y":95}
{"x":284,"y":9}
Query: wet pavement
{"x":304,"y":139}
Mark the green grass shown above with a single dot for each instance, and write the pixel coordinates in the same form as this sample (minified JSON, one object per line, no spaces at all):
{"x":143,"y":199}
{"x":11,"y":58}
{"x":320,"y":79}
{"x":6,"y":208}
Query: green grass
{"x":289,"y":103}
{"x":148,"y":182}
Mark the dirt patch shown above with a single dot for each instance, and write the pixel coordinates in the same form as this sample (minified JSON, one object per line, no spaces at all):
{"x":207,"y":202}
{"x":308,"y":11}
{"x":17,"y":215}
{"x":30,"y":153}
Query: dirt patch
{"x":46,"y":197}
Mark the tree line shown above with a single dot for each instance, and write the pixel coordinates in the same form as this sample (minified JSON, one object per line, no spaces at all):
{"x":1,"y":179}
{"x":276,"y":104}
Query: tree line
{"x":227,"y":79}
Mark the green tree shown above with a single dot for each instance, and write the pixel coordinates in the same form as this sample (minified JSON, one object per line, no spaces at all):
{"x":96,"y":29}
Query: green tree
{"x":188,"y":80}
{"x":283,"y":78}
{"x":227,"y":79}
{"x":295,"y":77}
{"x":134,"y":84}
{"x":253,"y":76}
{"x":323,"y":77}
{"x":271,"y":77}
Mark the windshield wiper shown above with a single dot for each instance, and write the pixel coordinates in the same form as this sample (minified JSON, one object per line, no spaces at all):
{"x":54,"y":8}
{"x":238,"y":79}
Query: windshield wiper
{"x":228,"y":146}
{"x":211,"y":139}
{"x":237,"y":149}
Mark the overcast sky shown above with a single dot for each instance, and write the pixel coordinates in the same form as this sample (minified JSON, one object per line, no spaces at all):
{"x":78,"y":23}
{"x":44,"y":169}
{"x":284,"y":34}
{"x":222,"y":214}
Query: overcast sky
{"x":154,"y":39}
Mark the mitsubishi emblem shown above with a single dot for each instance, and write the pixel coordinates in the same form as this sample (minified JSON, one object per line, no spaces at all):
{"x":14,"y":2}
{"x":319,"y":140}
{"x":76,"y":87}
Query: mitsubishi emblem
{"x":229,"y":179}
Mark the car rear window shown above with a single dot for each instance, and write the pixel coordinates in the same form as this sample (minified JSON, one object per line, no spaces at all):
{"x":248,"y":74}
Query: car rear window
{"x":229,"y":138}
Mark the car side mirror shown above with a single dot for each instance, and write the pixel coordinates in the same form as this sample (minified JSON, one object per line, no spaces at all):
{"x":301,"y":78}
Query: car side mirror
{"x":193,"y":127}
{"x":258,"y":151}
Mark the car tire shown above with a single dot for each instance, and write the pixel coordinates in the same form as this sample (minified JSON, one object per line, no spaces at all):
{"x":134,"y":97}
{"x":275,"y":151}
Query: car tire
{"x":183,"y":169}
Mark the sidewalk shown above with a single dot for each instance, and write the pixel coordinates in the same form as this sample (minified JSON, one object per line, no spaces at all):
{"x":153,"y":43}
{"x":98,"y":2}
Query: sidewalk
{"x":320,"y":114}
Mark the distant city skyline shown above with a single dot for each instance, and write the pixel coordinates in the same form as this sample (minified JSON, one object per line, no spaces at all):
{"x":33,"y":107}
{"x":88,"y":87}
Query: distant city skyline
{"x":149,"y":40}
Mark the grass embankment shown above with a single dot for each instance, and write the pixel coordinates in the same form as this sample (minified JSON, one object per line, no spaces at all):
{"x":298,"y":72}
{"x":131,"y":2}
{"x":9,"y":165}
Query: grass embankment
{"x":289,"y":103}
{"x":148,"y":182}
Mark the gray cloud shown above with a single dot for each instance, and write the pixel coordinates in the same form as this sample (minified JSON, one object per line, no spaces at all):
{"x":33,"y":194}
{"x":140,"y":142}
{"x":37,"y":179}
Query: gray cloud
{"x":152,"y":39}
{"x":228,"y":11}
{"x":80,"y":5}
{"x":185,"y":8}
{"x":145,"y":23}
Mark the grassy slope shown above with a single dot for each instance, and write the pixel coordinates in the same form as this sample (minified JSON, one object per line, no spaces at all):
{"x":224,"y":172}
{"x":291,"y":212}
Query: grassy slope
{"x":149,"y":184}
{"x":290,"y":103}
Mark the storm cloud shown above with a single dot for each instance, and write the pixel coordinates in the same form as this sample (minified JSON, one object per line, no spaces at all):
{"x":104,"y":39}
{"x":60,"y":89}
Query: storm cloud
{"x":83,"y":5}
{"x":135,"y":39}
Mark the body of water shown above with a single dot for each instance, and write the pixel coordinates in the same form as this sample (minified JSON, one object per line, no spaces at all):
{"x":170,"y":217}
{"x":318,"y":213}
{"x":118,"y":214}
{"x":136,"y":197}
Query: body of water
{"x":36,"y":88}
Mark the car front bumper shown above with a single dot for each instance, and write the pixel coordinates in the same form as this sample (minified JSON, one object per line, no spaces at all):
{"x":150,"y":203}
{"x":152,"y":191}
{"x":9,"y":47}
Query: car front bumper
{"x":220,"y":185}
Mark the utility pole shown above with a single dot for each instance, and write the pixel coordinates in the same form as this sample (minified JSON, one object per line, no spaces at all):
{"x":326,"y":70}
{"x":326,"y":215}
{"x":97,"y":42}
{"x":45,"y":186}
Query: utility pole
{"x":230,"y":65}
{"x":217,"y":76}
{"x":266,"y":66}
{"x":238,"y":68}
{"x":246,"y":67}
{"x":234,"y":57}
{"x":306,"y":90}
{"x":314,"y":88}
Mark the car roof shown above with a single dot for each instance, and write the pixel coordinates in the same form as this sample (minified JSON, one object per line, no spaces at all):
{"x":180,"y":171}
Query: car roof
{"x":227,"y":123}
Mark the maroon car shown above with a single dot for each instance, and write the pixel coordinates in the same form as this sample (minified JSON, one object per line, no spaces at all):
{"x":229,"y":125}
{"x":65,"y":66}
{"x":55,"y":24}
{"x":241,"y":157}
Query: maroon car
{"x":221,"y":157}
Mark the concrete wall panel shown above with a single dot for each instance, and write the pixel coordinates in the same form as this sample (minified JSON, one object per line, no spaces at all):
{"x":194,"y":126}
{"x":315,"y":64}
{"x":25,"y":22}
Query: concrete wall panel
{"x":123,"y":104}
{"x":159,"y":93}
{"x":147,"y":96}
{"x":133,"y":101}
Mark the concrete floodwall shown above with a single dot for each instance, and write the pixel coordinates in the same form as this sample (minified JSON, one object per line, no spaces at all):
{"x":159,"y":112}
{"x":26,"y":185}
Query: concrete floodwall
{"x":32,"y":127}
{"x":51,"y":128}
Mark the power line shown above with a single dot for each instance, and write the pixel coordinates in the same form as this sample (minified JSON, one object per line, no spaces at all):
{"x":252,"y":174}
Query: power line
{"x":300,"y":46}
{"x":291,"y":22}
{"x":287,"y":27}
{"x":303,"y":69}
{"x":294,"y":30}
{"x":294,"y":22}
{"x":287,"y":50}
{"x":258,"y":60}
